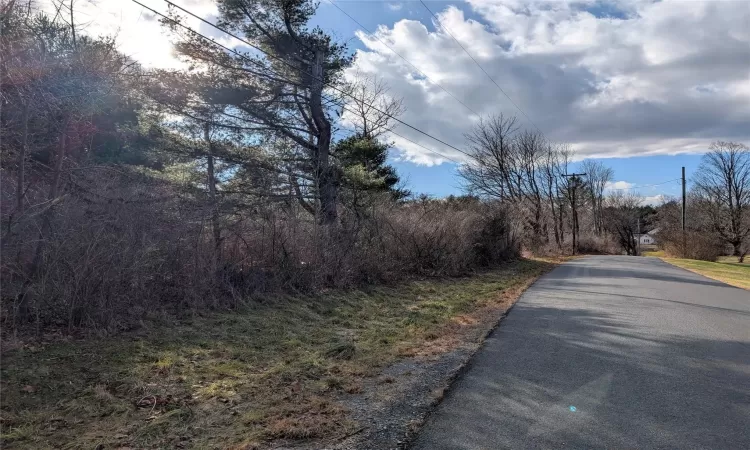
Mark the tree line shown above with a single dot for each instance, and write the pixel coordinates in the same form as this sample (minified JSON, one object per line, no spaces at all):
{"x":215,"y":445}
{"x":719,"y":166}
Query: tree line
{"x":130,"y":191}
{"x":523,"y":168}
{"x":577,"y":211}
{"x":717,"y":207}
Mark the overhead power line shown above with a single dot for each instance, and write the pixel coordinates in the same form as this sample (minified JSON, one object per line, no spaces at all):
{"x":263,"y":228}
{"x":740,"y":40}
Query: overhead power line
{"x":480,"y":66}
{"x":283,"y":61}
{"x":407,"y":139}
{"x":353,"y":132}
{"x":402,"y":57}
{"x":428,"y":149}
{"x":643,"y":185}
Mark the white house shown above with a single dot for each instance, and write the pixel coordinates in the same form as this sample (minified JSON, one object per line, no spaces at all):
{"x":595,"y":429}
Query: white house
{"x":648,"y":238}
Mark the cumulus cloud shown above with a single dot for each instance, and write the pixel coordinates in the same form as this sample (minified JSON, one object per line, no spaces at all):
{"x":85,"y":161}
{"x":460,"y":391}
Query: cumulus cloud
{"x":612,"y":79}
{"x":655,"y":200}
{"x":618,"y":185}
{"x":395,"y":6}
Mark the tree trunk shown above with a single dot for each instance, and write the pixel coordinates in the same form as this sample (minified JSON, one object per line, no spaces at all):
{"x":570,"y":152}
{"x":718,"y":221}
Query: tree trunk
{"x":326,"y":175}
{"x":53,"y":193}
{"x":554,"y":223}
{"x":574,"y":218}
{"x":21,"y":182}
{"x":20,"y":176}
{"x":22,"y":304}
{"x":211,"y":180}
{"x":561,"y":223}
{"x":539,"y":230}
{"x":551,"y":200}
{"x":575,"y":230}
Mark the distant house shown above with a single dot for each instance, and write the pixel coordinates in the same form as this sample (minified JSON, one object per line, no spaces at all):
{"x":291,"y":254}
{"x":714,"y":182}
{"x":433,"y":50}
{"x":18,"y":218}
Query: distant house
{"x":648,"y":238}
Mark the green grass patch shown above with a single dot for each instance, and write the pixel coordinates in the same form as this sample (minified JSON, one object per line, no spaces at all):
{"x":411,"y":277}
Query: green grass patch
{"x":734,"y":273}
{"x":217,"y":380}
{"x":732,"y":260}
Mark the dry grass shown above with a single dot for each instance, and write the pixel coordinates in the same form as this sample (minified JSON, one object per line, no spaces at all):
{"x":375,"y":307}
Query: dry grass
{"x":728,"y":271}
{"x":271,"y":371}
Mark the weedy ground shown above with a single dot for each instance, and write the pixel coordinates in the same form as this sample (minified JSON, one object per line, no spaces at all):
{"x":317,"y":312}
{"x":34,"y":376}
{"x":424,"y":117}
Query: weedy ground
{"x":242,"y":379}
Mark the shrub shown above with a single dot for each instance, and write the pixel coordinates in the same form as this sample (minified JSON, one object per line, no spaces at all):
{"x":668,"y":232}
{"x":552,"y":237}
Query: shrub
{"x":697,"y":245}
{"x":598,"y":245}
{"x":109,"y":262}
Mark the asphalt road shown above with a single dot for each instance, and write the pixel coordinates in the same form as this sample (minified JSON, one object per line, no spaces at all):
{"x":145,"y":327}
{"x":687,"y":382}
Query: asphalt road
{"x":608,"y":352}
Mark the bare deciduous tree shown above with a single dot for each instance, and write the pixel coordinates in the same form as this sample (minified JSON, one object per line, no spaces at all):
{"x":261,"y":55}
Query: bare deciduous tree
{"x":523,"y":168}
{"x":621,"y":212}
{"x":531,"y":150}
{"x":491,"y":171}
{"x":552,"y":168}
{"x":723,"y":181}
{"x":574,"y":187}
{"x":370,"y":106}
{"x":598,"y":175}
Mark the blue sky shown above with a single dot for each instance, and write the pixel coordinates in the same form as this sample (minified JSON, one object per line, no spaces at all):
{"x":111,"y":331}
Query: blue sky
{"x":442,"y":180}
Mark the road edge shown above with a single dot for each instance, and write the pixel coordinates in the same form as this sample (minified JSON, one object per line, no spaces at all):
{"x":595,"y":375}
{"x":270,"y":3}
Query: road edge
{"x":466,"y":365}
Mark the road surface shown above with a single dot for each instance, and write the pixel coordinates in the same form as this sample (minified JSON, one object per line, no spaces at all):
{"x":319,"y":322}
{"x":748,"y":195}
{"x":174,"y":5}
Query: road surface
{"x":608,"y":352}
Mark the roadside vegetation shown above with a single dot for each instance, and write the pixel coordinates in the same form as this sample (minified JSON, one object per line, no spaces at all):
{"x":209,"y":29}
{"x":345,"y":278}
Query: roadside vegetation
{"x":717,"y":209}
{"x":730,"y":272}
{"x":270,"y":370}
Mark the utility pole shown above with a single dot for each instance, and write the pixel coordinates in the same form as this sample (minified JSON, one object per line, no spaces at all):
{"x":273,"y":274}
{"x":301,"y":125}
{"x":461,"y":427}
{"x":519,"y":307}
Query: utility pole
{"x":684,"y":203}
{"x":638,"y":239}
{"x":575,"y":180}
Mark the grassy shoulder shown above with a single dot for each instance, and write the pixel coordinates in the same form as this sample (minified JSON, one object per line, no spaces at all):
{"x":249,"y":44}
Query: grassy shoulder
{"x":730,"y":272}
{"x":240,"y":379}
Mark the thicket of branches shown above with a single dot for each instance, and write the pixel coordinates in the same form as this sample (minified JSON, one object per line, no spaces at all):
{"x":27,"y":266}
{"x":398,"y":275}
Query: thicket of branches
{"x":128,"y":192}
{"x":718,"y":207}
{"x":561,"y":211}
{"x":579,"y":212}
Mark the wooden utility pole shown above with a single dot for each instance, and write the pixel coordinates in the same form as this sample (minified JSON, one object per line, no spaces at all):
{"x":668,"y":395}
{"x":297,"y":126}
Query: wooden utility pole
{"x":684,"y":203}
{"x":638,"y":239}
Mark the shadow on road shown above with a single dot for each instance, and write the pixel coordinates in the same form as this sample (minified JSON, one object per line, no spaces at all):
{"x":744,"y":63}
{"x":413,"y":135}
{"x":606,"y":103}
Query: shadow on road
{"x":640,"y":297}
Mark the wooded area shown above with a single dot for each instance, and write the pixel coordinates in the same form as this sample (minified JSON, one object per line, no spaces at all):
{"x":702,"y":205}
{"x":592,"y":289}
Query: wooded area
{"x":127,"y":192}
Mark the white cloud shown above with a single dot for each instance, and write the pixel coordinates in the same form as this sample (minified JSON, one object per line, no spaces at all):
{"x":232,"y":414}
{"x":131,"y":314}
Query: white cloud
{"x":395,"y":6}
{"x":655,"y":200}
{"x":618,"y":185}
{"x":645,"y":78}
